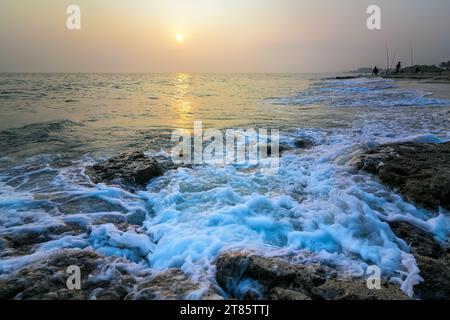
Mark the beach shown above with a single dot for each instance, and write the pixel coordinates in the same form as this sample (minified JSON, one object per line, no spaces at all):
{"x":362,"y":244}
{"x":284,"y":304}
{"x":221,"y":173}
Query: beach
{"x":323,"y":215}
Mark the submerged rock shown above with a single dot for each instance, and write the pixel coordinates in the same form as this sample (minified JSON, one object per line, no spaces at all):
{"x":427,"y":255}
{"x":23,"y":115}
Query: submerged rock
{"x":132,"y":170}
{"x":419,"y":171}
{"x":280,"y":279}
{"x":300,"y":143}
{"x":26,"y":241}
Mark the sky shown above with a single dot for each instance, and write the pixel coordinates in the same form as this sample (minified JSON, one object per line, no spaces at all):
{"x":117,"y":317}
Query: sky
{"x":219,"y":35}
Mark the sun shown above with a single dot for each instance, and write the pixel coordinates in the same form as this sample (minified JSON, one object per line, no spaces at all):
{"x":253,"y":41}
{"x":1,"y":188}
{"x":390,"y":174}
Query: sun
{"x":179,"y":37}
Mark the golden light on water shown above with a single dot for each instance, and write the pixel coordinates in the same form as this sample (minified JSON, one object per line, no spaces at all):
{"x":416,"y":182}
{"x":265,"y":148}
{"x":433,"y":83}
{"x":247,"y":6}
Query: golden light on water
{"x":182,"y":105}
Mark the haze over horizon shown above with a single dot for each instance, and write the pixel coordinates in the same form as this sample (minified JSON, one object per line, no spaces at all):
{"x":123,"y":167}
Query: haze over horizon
{"x":219,"y":36}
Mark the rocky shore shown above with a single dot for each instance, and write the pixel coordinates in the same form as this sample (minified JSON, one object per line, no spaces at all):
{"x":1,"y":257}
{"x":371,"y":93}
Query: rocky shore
{"x":277,"y":278}
{"x":420,"y":172}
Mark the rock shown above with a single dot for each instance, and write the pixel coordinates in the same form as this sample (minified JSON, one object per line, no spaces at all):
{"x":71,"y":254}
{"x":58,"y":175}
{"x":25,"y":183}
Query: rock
{"x":102,"y":278}
{"x":172,"y":284}
{"x":334,"y":289}
{"x":232,"y":268}
{"x":419,"y":171}
{"x":421,"y":243}
{"x":46,"y":279}
{"x":433,"y":261}
{"x":304,"y":143}
{"x":26,"y":240}
{"x":300,"y":143}
{"x":137,"y":217}
{"x":278,"y":293}
{"x":133,"y":170}
{"x":436,"y":276}
{"x":281,"y":279}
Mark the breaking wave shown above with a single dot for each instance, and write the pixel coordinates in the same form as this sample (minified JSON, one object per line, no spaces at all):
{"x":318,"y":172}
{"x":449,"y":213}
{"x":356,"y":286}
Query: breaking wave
{"x":360,"y":92}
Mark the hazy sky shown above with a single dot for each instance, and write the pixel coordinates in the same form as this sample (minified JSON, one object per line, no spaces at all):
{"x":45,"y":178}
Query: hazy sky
{"x":219,"y":35}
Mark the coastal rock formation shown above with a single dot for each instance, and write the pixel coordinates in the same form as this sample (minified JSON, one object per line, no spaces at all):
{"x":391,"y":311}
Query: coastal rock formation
{"x":46,"y":279}
{"x":172,"y":284}
{"x":102,"y":278}
{"x":419,"y":171}
{"x":280,"y":279}
{"x":132,"y":170}
{"x":432,"y":260}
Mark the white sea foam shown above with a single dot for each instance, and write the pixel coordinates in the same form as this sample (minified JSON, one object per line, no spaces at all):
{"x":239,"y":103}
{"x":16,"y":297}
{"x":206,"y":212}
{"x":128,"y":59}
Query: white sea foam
{"x":360,"y":92}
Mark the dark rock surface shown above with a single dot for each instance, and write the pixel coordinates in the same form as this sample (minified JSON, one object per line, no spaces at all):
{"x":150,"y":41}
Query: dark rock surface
{"x":420,"y":242}
{"x":27,"y":240}
{"x":432,"y":260}
{"x":172,"y":284}
{"x":46,"y":279}
{"x":102,"y":278}
{"x":299,"y":143}
{"x":282,"y":280}
{"x":130,"y":169}
{"x":420,"y":172}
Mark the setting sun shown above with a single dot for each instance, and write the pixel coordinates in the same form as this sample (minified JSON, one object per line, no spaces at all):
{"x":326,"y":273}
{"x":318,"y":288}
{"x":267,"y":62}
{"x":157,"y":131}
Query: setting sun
{"x":179,"y":37}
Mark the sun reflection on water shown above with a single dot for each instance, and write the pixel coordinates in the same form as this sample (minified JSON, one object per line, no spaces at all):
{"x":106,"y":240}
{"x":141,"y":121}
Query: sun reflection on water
{"x":182,"y":106}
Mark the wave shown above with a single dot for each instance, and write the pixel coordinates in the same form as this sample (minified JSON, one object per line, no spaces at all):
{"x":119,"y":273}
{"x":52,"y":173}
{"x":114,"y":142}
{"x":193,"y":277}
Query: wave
{"x":360,"y":92}
{"x":184,"y":219}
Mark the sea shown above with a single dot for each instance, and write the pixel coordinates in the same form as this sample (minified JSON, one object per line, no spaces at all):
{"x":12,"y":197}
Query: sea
{"x":319,"y":208}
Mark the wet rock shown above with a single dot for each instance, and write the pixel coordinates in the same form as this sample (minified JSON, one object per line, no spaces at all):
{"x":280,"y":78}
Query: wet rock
{"x":169,"y":285}
{"x":357,"y":289}
{"x":300,"y":143}
{"x":436,"y":276}
{"x":26,"y":240}
{"x":234,"y":267}
{"x":46,"y":279}
{"x":281,"y":279}
{"x":132,"y":170}
{"x":278,"y":293}
{"x":421,"y":242}
{"x":433,"y":261}
{"x":304,"y":143}
{"x":137,"y":217}
{"x":102,"y":278}
{"x":419,"y":171}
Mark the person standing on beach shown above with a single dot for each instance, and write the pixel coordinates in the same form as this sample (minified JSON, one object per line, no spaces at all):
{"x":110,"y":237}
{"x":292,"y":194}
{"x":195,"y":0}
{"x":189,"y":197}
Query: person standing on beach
{"x":398,"y":67}
{"x":375,"y":71}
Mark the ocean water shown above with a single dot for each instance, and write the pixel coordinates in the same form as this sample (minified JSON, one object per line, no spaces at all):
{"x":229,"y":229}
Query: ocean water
{"x":319,"y":208}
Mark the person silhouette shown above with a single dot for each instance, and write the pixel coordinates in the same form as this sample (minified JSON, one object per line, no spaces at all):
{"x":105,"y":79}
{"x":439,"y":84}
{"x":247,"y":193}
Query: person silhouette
{"x":375,"y":71}
{"x":398,"y":67}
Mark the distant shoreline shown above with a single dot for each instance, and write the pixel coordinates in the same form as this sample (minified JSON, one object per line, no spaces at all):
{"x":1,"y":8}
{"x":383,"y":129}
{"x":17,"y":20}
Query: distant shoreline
{"x":428,"y":77}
